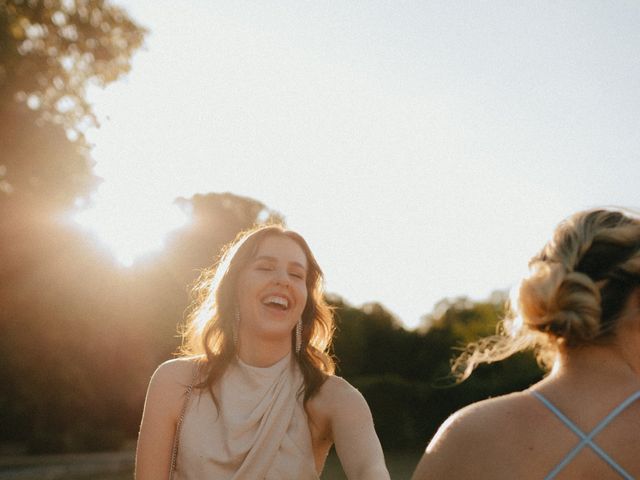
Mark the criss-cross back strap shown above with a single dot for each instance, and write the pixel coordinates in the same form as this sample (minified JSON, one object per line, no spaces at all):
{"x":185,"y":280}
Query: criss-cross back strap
{"x":586,"y":439}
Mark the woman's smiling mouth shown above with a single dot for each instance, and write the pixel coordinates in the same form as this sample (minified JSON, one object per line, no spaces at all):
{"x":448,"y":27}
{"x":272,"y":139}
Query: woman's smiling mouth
{"x":276,"y":301}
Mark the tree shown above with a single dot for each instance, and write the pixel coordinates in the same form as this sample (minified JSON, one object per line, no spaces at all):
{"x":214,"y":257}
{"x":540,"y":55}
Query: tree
{"x":406,"y":375}
{"x":80,"y":337}
{"x":50,"y":52}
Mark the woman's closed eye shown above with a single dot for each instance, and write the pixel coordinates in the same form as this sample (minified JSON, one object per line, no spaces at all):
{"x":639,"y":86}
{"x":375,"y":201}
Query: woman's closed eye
{"x":298,"y":275}
{"x":264,"y":267}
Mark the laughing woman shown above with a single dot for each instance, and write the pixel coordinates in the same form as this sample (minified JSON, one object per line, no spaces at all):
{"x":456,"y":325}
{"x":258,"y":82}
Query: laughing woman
{"x":254,"y":396}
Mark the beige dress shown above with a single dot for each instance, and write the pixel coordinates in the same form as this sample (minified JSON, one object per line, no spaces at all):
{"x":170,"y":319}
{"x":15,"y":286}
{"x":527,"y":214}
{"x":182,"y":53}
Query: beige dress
{"x":261,"y":432}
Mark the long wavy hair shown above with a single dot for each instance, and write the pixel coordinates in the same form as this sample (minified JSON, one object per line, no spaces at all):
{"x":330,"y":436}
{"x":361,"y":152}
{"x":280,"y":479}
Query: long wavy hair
{"x":578,"y":287}
{"x":208,"y":331}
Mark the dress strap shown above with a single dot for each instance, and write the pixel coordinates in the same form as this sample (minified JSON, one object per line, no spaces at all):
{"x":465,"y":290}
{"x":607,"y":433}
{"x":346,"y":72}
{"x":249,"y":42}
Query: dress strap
{"x":176,"y":438}
{"x":586,"y":439}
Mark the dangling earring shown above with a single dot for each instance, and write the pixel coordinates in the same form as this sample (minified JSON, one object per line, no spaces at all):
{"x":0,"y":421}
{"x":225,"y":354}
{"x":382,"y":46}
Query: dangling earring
{"x":298,"y":336}
{"x":236,"y":326}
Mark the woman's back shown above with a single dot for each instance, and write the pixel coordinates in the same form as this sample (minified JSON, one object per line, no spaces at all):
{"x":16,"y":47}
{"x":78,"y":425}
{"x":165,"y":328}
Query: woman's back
{"x":517,"y":436}
{"x":522,"y":436}
{"x":609,"y":446}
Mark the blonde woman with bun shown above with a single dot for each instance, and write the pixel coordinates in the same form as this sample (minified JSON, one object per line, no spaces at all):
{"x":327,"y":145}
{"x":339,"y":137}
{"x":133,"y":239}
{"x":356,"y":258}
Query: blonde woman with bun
{"x":580,"y":311}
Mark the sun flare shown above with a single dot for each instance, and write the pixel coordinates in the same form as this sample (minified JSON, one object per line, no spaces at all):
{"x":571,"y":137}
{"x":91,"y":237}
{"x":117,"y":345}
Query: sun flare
{"x":131,"y":229}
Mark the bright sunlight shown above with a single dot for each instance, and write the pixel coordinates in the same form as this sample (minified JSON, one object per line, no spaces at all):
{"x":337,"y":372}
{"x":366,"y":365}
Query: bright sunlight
{"x":131,"y":227}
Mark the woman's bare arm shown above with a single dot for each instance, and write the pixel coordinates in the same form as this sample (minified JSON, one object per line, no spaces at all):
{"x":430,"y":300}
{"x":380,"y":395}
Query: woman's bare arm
{"x":165,"y":397}
{"x":352,"y":430}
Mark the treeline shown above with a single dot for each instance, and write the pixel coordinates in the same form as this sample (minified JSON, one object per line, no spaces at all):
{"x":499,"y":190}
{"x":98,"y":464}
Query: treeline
{"x":405,"y":375}
{"x":81,"y":336}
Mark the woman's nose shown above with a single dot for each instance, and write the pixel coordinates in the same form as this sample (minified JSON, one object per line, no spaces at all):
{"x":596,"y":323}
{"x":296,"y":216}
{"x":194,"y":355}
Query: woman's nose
{"x":282,"y":278}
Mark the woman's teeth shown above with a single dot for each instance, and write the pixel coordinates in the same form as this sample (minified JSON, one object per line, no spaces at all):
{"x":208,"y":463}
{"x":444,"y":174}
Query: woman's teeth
{"x":281,"y":302}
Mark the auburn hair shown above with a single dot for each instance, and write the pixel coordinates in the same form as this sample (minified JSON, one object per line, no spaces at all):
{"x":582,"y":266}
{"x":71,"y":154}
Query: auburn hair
{"x":208,"y":330}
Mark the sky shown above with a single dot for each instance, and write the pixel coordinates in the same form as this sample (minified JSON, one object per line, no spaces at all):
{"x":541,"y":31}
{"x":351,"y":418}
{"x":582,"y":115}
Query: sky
{"x":425,"y":149}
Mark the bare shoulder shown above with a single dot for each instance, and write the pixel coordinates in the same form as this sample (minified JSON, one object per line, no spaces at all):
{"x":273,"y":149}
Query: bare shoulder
{"x":336,"y":401}
{"x":163,"y":405}
{"x":179,"y":371}
{"x":169,"y":383}
{"x":481,"y":421}
{"x":479,"y":432}
{"x":497,"y":411}
{"x":335,"y":385}
{"x":338,"y":394}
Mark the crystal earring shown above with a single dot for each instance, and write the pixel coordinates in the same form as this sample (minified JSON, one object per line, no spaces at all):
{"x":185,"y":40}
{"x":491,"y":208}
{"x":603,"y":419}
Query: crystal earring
{"x":298,"y":336}
{"x":235,"y":327}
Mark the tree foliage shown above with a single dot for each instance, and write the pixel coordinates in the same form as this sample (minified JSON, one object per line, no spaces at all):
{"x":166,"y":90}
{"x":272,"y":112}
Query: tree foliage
{"x":80,"y":336}
{"x":52,"y":49}
{"x":405,"y":375}
{"x":50,"y":52}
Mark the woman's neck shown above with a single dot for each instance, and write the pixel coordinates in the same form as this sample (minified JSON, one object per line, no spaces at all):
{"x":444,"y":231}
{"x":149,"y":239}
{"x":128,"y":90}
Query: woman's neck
{"x":614,"y":362}
{"x":261,"y":353}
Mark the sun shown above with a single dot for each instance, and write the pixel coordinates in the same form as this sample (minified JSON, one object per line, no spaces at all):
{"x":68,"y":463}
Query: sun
{"x":131,"y":228}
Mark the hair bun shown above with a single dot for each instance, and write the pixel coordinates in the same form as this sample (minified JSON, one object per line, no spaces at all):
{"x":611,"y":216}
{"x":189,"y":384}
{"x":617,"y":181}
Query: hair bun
{"x":563,"y":304}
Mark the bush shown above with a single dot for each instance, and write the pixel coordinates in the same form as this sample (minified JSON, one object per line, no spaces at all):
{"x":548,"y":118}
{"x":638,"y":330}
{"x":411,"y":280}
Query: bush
{"x":397,"y":408}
